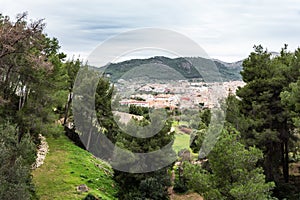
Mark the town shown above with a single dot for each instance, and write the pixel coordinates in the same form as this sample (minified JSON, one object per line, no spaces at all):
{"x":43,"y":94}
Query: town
{"x":180,"y":94}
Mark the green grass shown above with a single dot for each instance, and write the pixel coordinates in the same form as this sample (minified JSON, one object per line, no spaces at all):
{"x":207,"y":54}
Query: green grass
{"x":66,"y":167}
{"x":182,"y":141}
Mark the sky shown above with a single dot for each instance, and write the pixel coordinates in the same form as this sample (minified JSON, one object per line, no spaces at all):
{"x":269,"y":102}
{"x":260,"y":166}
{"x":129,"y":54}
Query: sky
{"x":226,"y":30}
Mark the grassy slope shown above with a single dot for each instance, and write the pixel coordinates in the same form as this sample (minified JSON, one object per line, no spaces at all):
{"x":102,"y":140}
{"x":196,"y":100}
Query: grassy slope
{"x":182,"y":141}
{"x":66,"y":167}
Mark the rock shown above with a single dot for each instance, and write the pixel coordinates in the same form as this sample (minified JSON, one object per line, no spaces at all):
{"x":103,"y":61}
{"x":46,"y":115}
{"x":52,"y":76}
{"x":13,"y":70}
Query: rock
{"x":42,"y":151}
{"x":82,"y":188}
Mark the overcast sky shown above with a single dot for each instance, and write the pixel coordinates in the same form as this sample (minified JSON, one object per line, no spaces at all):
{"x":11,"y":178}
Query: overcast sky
{"x":226,"y":30}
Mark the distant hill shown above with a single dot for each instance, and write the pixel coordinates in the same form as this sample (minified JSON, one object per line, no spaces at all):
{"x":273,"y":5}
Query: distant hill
{"x":160,"y":67}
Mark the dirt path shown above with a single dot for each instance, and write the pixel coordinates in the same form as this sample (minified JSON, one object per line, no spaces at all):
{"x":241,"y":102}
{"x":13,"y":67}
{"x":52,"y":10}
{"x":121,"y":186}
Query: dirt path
{"x":188,"y":196}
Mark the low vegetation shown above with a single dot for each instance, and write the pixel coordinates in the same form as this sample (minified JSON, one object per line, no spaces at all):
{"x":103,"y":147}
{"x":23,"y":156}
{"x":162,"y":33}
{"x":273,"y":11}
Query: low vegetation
{"x":68,"y":166}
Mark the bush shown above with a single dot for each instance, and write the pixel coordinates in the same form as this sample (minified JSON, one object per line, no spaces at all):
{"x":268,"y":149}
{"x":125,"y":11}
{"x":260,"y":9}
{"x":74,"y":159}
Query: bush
{"x":180,"y":186}
{"x":54,"y":130}
{"x":234,"y":173}
{"x":16,"y":159}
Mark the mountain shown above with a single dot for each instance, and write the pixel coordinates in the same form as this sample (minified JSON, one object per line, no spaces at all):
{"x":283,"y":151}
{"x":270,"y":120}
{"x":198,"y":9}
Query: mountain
{"x":233,"y":64}
{"x":161,"y":67}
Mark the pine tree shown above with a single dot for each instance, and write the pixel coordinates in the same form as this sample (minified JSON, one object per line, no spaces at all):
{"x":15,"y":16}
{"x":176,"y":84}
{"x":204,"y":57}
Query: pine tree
{"x":261,"y":108}
{"x":234,"y":174}
{"x":16,"y":159}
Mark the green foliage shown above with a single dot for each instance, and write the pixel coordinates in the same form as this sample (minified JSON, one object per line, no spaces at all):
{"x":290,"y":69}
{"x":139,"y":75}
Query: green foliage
{"x":196,"y":140}
{"x":151,"y":185}
{"x":234,"y":172}
{"x":29,"y":65}
{"x":52,"y":130}
{"x":72,"y":67}
{"x":202,"y":182}
{"x":291,"y":99}
{"x":31,"y":75}
{"x":145,"y":185}
{"x":197,"y":136}
{"x":262,"y":118}
{"x":16,"y":159}
{"x":153,"y":188}
{"x":180,"y":186}
{"x":138,"y":110}
{"x":177,"y":68}
{"x":205,"y":116}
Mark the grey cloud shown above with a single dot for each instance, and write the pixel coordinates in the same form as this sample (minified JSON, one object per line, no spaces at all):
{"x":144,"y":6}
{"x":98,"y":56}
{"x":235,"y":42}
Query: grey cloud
{"x":224,"y":28}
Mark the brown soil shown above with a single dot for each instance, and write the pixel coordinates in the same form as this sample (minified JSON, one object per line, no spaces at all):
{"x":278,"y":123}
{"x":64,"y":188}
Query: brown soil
{"x":187,"y":196}
{"x":190,"y":196}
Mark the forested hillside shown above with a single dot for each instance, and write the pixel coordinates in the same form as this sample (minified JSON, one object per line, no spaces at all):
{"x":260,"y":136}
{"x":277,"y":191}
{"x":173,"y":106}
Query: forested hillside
{"x":189,"y":68}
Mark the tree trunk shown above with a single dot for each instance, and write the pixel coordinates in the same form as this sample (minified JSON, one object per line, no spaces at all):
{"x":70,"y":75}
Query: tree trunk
{"x":285,"y":154}
{"x":285,"y":161}
{"x":268,"y":163}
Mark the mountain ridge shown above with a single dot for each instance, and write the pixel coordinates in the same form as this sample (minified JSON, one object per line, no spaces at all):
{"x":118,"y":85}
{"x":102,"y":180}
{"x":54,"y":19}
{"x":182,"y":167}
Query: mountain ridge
{"x":189,"y":67}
